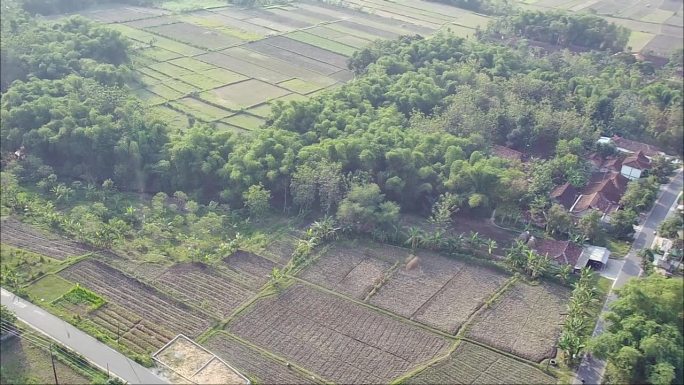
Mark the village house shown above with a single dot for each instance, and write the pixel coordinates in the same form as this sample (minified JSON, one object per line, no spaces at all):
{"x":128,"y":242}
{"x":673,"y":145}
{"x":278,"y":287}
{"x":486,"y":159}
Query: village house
{"x":627,"y":146}
{"x":634,"y":166}
{"x":603,"y":193}
{"x":568,"y":253}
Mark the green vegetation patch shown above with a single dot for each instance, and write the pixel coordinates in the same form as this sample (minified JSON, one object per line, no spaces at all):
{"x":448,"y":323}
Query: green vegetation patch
{"x":155,"y":40}
{"x":169,"y":69}
{"x":300,"y":86}
{"x":176,"y":120}
{"x":262,"y":110}
{"x":158,"y":54}
{"x":224,"y":76}
{"x":153,"y":74}
{"x":321,"y":42}
{"x":19,"y":266}
{"x":185,"y":5}
{"x":200,"y":81}
{"x":49,"y":288}
{"x":460,"y":31}
{"x":79,"y":295}
{"x":180,"y":86}
{"x":191,"y":64}
{"x":246,"y":121}
{"x":165,"y":92}
{"x":638,"y":40}
{"x":244,"y":94}
{"x":148,"y":97}
{"x":201,"y":110}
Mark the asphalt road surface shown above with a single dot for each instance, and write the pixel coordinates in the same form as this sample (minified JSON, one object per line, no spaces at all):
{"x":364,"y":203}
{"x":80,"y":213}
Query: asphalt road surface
{"x":78,"y":341}
{"x":591,"y":370}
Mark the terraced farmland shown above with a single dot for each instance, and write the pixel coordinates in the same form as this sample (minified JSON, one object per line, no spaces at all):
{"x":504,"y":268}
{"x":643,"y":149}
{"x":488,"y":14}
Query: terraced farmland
{"x":23,"y":236}
{"x":224,"y":65}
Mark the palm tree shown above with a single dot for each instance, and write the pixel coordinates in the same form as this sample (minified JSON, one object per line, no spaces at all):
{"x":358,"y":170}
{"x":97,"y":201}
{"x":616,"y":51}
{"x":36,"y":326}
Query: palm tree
{"x":435,"y":241}
{"x":571,"y":345}
{"x":414,"y":237}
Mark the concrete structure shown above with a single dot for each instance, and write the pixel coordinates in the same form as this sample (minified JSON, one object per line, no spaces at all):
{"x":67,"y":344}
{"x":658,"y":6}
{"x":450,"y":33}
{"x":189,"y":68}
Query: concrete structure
{"x":633,"y":166}
{"x":593,"y":256}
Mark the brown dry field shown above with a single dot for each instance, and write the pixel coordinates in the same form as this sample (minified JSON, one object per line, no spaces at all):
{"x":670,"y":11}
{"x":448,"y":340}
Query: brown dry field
{"x":342,"y":341}
{"x":23,"y":236}
{"x":525,"y":321}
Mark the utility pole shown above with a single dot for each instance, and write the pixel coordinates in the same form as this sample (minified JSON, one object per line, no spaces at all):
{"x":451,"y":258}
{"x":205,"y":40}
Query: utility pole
{"x":54,"y":371}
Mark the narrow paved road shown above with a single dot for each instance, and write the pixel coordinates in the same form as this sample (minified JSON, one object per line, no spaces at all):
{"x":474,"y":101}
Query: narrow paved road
{"x":590,"y":369}
{"x":78,"y":341}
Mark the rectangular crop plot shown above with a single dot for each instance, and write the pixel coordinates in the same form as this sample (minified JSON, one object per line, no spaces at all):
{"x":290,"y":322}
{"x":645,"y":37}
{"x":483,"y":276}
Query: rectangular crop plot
{"x":342,"y":341}
{"x":174,"y":119}
{"x":526,"y":321}
{"x":244,"y":94}
{"x":257,"y":268}
{"x":353,"y":270}
{"x":191,"y":64}
{"x":275,"y":64}
{"x":196,"y":35}
{"x":156,"y":40}
{"x":137,"y":297}
{"x":246,"y":121}
{"x":200,"y":110}
{"x":407,"y":291}
{"x":474,"y":364}
{"x":158,"y":54}
{"x":200,"y":285}
{"x":300,"y":86}
{"x":308,"y":50}
{"x":136,"y":333}
{"x":243,"y":67}
{"x":464,"y":294}
{"x":22,"y":236}
{"x":322,"y":42}
{"x":293,"y":58}
{"x":169,"y":69}
{"x":252,"y":363}
{"x":201,"y":82}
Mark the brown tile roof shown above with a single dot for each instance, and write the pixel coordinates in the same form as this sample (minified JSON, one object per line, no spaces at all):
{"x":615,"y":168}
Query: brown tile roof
{"x":599,"y":162}
{"x":633,"y":146}
{"x":565,"y":194}
{"x":602,"y":193}
{"x":563,"y":252}
{"x":638,"y":161}
{"x":614,"y":164}
{"x":507,"y":153}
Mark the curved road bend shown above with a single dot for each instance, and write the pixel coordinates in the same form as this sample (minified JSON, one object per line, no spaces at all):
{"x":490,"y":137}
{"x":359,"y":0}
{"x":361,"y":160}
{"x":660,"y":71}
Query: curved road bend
{"x":78,"y":341}
{"x":591,"y":370}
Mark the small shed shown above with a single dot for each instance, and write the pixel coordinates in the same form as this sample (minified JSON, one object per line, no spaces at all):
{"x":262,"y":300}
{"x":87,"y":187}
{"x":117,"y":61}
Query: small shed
{"x":593,"y":256}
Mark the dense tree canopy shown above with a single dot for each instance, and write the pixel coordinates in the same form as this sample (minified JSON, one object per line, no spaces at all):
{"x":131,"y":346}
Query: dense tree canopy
{"x":643,"y":341}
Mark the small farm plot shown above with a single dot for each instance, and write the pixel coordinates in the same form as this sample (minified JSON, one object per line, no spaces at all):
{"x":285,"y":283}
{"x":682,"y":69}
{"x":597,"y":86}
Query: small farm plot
{"x":354,"y":270}
{"x":196,"y":36}
{"x":242,"y":67}
{"x":255,"y":365}
{"x":200,"y":109}
{"x":245,"y":121}
{"x":464,"y":294}
{"x":243,"y":94}
{"x":137,"y":297}
{"x":204,"y":287}
{"x":409,"y":289}
{"x":29,"y":238}
{"x":293,"y":58}
{"x":342,"y":341}
{"x":525,"y":322}
{"x":308,"y":50}
{"x":130,"y":329}
{"x":474,"y":364}
{"x":257,"y":268}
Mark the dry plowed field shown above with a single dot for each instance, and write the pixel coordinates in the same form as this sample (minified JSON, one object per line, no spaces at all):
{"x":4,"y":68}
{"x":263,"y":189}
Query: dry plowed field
{"x":23,"y":236}
{"x":474,"y":364}
{"x":341,"y":341}
{"x":257,"y":268}
{"x":252,"y":363}
{"x":137,"y":297}
{"x":354,"y":270}
{"x":525,"y":321}
{"x":203,"y":287}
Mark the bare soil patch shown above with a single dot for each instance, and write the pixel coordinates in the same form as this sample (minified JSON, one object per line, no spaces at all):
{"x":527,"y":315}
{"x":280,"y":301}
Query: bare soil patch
{"x":23,"y":236}
{"x":342,"y":341}
{"x":252,"y":363}
{"x":474,"y":364}
{"x":137,"y":297}
{"x":256,"y":267}
{"x":525,"y":321}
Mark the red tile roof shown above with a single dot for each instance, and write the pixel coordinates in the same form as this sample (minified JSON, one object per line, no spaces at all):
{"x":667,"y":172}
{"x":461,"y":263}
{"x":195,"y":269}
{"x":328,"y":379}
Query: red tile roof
{"x":507,"y":153}
{"x":633,"y":146}
{"x":565,"y":194}
{"x":602,"y":193}
{"x":563,"y":252}
{"x":638,"y":161}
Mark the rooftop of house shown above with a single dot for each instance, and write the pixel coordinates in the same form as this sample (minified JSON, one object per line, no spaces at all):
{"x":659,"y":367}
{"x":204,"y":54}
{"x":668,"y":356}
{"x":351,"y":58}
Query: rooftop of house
{"x":563,"y":252}
{"x":637,"y":160}
{"x":565,"y":195}
{"x":603,"y":192}
{"x":507,"y":153}
{"x":634,"y":146}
